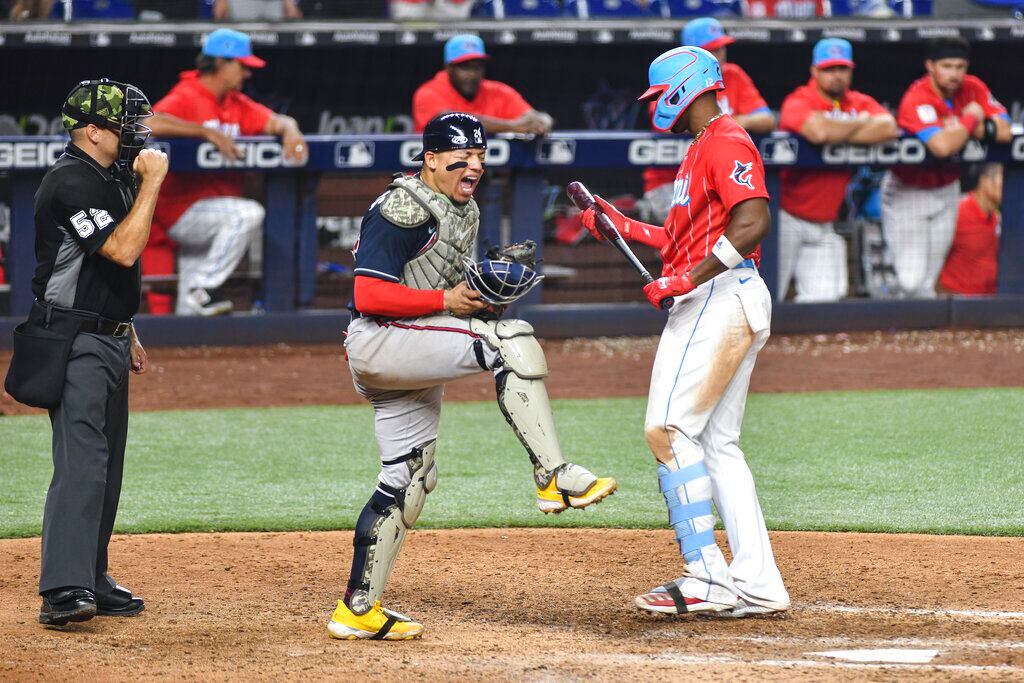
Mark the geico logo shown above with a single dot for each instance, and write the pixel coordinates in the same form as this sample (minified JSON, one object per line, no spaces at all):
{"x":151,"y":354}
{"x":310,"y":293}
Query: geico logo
{"x":903,"y":151}
{"x":661,"y":152}
{"x":1017,"y":149}
{"x":498,"y":152}
{"x":29,"y":154}
{"x":253,"y":155}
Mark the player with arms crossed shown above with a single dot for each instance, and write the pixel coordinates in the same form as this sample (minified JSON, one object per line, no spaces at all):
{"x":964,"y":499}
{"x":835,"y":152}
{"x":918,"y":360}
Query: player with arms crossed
{"x":418,"y":324}
{"x":718,"y":324}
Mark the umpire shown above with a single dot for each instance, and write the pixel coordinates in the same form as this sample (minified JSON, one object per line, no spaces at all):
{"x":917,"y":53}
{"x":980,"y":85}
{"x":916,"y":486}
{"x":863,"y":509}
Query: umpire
{"x":92,"y":218}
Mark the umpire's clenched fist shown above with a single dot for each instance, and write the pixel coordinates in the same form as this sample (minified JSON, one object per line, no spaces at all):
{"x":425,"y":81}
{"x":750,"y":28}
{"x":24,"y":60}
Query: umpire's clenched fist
{"x":151,"y":165}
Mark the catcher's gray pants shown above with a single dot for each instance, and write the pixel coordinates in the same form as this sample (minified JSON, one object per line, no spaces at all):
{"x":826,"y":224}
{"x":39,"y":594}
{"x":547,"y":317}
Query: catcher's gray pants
{"x":813,"y":254}
{"x":919,"y":225}
{"x":401,"y":367}
{"x":213,"y":235}
{"x":90,"y":427}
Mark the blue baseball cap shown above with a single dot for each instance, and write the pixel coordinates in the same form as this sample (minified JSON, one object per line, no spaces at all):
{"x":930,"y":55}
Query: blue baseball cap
{"x":832,"y":52}
{"x":464,"y":47}
{"x":228,"y":44}
{"x":706,"y":33}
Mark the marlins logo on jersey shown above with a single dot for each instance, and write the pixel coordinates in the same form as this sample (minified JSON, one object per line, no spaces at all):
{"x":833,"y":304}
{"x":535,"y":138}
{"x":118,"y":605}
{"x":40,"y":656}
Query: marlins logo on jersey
{"x":681,"y":191}
{"x":741,"y":174}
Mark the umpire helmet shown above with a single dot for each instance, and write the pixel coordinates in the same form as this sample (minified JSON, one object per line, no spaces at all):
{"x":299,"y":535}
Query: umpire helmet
{"x":113,"y":105}
{"x":677,"y":78}
{"x":453,"y":130}
{"x":500,"y":282}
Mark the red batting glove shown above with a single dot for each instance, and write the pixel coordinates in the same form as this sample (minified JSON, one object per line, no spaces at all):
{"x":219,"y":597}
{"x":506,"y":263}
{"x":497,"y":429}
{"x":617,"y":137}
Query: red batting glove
{"x":621,"y":223}
{"x":665,"y":287}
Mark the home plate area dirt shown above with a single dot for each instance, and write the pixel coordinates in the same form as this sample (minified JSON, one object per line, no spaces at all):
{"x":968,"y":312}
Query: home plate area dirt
{"x":525,"y":604}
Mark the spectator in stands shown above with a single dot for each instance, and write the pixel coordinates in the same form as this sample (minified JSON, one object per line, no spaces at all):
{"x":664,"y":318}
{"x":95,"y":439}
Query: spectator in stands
{"x":418,"y":10}
{"x":162,"y":10}
{"x":256,"y":10}
{"x":945,"y":109}
{"x":30,"y":9}
{"x":740,"y":99}
{"x":825,"y":111}
{"x":461,"y":86}
{"x":205,"y":215}
{"x":973,"y":262}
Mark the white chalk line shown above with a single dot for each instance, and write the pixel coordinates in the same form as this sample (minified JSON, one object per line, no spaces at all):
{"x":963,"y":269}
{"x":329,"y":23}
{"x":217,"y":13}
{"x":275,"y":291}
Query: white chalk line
{"x":674,"y":658}
{"x":910,"y":611}
{"x":829,"y":641}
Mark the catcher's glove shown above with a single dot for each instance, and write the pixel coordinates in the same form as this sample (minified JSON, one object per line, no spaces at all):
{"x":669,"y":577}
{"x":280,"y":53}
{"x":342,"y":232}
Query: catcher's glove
{"x":523,"y":253}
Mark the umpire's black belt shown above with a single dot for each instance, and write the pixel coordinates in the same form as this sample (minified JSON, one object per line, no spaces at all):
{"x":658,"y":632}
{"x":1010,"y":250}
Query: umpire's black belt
{"x":71,"y":321}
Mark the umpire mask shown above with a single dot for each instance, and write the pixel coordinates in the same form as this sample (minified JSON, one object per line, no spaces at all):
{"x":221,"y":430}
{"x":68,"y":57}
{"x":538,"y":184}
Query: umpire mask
{"x":119,"y":107}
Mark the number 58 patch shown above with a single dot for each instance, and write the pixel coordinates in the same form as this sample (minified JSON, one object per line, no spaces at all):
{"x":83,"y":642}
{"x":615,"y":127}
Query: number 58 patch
{"x":85,"y":225}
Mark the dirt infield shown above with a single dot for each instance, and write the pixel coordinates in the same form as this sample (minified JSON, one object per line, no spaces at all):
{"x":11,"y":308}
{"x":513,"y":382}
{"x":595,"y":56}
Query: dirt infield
{"x":284,"y":375}
{"x":524,"y":604}
{"x":533,"y":604}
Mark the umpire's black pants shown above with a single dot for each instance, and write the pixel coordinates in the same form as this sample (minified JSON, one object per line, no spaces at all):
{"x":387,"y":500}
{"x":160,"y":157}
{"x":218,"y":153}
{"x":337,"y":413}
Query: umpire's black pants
{"x":90,"y":427}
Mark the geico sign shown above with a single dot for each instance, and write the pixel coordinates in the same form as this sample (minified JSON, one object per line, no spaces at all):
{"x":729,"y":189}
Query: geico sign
{"x":29,"y":154}
{"x":252,"y":155}
{"x":667,"y":152}
{"x":1017,"y":149}
{"x":498,"y":152}
{"x":904,"y":151}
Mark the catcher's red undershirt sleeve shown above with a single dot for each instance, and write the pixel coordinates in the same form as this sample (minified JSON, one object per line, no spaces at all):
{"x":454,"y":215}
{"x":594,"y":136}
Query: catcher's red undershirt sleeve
{"x":374,"y":296}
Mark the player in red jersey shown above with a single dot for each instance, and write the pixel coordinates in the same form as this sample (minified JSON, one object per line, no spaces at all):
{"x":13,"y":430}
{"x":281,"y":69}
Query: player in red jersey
{"x":825,"y":111}
{"x":973,"y":262}
{"x":739,"y":98}
{"x":718,"y":324}
{"x":945,"y":109}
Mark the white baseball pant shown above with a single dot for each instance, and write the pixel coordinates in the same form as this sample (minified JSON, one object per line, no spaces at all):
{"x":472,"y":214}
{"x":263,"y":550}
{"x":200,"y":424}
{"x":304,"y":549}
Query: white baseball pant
{"x":813,"y":254}
{"x":694,"y":412}
{"x":919,"y":225}
{"x":213,"y":235}
{"x":401,"y":367}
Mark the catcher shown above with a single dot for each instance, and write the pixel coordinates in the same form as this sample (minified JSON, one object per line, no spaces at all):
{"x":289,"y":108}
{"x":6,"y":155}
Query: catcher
{"x":424,"y":314}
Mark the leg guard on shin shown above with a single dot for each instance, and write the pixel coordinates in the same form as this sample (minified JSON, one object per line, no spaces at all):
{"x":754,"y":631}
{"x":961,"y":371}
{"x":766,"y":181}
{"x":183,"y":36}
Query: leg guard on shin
{"x":382,"y":526}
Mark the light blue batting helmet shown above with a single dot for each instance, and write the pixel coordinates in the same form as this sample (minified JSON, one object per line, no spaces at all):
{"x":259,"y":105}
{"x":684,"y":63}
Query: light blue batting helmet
{"x":677,"y":78}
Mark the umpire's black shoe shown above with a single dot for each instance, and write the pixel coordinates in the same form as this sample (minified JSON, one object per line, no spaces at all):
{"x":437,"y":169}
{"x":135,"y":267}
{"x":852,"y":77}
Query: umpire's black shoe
{"x":67,"y":604}
{"x":118,"y":603}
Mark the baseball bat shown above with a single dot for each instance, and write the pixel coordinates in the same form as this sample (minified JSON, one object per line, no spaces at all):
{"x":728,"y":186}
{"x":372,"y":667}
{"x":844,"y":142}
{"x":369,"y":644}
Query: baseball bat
{"x":581,"y":197}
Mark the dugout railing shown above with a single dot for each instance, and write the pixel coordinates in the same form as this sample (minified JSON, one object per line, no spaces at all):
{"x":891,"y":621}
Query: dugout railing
{"x":290,"y":247}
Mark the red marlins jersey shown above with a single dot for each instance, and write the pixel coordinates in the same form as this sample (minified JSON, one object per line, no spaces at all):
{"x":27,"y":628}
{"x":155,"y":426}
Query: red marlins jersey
{"x":235,"y":115}
{"x":972,"y":264}
{"x":739,"y":97}
{"x":811,"y":194}
{"x":922,"y":113}
{"x":493,"y":98}
{"x":721,"y":169}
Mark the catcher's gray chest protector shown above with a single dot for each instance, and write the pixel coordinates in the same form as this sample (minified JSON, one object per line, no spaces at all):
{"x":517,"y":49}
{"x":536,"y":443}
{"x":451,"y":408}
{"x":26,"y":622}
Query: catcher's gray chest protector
{"x":410,"y":204}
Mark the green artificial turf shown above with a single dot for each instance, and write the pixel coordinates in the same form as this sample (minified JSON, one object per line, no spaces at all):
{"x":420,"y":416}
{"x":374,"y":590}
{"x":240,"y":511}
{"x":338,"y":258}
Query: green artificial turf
{"x":944,"y":461}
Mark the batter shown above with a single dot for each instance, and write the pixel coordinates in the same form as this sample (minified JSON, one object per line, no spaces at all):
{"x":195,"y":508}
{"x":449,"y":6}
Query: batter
{"x":720,"y":320}
{"x":417,"y":324}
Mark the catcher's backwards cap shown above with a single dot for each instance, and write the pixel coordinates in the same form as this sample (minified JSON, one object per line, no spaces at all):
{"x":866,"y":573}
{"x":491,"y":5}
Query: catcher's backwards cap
{"x":454,"y":130}
{"x":677,"y":78}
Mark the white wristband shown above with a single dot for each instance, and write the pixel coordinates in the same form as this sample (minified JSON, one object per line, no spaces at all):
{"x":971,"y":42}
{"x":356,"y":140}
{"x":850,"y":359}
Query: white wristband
{"x":726,"y":253}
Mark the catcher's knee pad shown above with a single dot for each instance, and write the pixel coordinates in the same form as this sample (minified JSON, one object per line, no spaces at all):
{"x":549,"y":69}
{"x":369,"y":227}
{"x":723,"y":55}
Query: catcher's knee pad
{"x":382,"y":527}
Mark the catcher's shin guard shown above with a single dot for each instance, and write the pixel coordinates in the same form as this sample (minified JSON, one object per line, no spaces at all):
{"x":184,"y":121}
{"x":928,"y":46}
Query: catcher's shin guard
{"x":382,"y":526}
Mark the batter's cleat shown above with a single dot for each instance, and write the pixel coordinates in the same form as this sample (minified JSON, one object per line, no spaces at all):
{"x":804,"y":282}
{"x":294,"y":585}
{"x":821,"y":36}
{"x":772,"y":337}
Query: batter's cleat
{"x":749,"y":608}
{"x":377,"y":624}
{"x":669,"y":599}
{"x":570,"y":486}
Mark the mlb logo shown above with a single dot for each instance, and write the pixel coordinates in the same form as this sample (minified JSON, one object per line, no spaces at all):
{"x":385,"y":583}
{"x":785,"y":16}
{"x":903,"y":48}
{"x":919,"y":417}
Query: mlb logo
{"x":353,"y":155}
{"x":556,"y":152}
{"x":779,"y":151}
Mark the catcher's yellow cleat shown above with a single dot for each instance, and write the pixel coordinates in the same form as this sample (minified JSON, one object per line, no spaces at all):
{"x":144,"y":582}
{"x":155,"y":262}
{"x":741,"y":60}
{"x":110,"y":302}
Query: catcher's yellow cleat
{"x":377,"y":624}
{"x":553,"y":497}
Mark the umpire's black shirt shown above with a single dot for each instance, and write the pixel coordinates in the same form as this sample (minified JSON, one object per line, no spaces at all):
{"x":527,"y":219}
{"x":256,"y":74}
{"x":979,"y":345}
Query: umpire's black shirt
{"x":78,"y":205}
